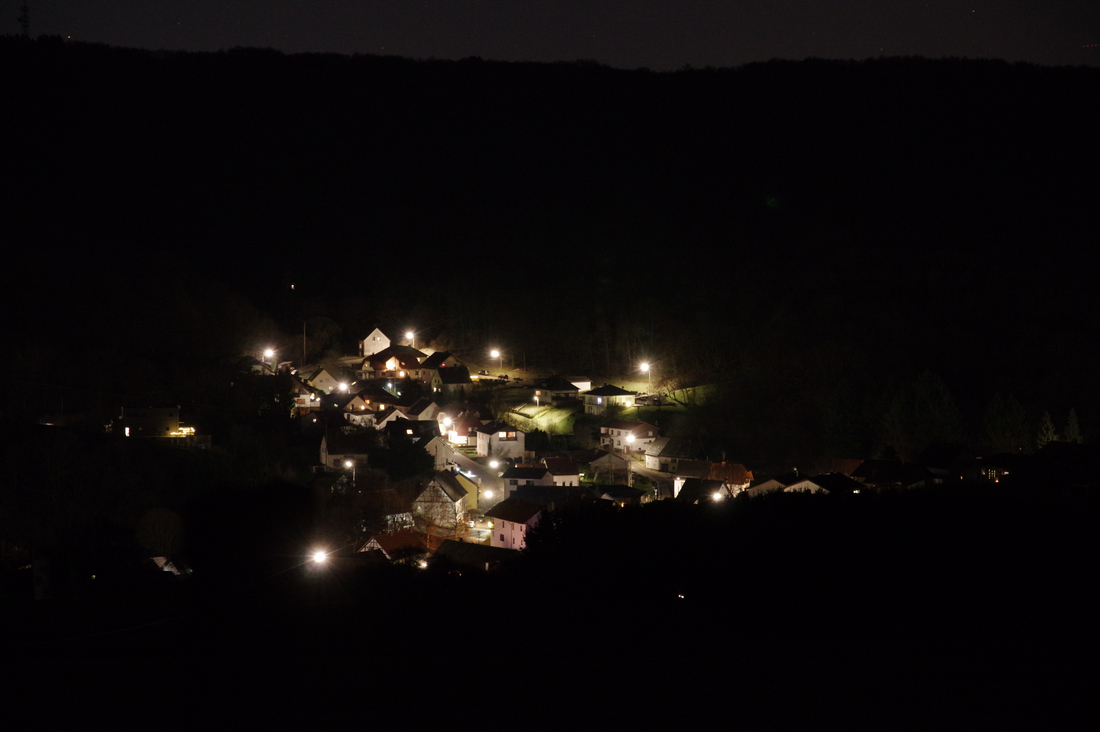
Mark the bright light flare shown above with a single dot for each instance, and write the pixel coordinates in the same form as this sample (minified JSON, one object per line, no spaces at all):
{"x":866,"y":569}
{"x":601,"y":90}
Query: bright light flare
{"x":319,"y":557}
{"x":645,"y":367}
{"x":717,"y":496}
{"x":268,"y":353}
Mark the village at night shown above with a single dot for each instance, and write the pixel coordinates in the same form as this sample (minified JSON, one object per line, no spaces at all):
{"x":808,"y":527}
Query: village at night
{"x":354,"y":387}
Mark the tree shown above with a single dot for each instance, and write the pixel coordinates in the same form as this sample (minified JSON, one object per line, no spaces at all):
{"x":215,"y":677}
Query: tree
{"x":1046,"y":430}
{"x":1006,"y":424}
{"x":1072,"y":432}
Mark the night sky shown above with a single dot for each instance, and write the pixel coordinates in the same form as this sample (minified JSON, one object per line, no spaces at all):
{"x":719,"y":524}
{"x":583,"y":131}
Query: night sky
{"x":658,"y":34}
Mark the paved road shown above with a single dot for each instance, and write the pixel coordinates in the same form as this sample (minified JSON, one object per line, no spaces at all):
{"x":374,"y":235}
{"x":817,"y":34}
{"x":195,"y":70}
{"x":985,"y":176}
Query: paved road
{"x":485,"y":476}
{"x":663,"y":480}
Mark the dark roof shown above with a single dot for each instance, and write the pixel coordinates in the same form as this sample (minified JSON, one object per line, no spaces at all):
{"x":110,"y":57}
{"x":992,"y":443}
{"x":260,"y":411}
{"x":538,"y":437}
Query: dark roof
{"x":672,"y":447}
{"x":421,"y":429}
{"x":732,"y":473}
{"x":621,"y":492}
{"x":695,"y":490}
{"x":420,"y":405}
{"x":561,"y":466}
{"x":435,"y":360}
{"x":514,"y":509}
{"x":450,"y":484}
{"x":609,"y":390}
{"x":836,"y":483}
{"x":545,"y":495}
{"x":400,"y":543}
{"x":407,"y":356}
{"x":525,"y":473}
{"x":556,"y":383}
{"x":454,"y":375}
{"x":473,"y":556}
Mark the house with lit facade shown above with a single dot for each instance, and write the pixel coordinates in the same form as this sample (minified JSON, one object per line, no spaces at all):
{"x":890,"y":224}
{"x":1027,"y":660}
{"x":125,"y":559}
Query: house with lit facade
{"x":598,"y":401}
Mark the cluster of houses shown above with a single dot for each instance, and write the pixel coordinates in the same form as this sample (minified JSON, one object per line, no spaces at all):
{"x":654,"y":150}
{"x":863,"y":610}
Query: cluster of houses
{"x":488,"y":489}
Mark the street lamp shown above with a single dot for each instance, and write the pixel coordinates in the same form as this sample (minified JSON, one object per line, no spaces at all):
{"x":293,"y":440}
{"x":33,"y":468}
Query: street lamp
{"x":350,"y":465}
{"x":649,"y":380}
{"x":270,"y":353}
{"x":411,"y":338}
{"x":496,"y":354}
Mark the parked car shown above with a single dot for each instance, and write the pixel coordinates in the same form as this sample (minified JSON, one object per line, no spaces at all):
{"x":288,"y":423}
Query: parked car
{"x":483,"y":373}
{"x":503,"y":377}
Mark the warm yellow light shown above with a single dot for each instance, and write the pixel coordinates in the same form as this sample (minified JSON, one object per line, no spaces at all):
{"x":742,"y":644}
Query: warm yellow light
{"x":347,"y":463}
{"x":645,"y":367}
{"x":717,"y":495}
{"x":488,"y":494}
{"x":268,"y":353}
{"x":319,"y":557}
{"x":494,"y":353}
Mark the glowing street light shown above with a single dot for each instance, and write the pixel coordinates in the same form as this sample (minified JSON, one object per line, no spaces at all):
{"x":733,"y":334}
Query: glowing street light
{"x":649,"y":379}
{"x":411,"y":338}
{"x":496,"y":354}
{"x":270,"y":353}
{"x":319,"y":557}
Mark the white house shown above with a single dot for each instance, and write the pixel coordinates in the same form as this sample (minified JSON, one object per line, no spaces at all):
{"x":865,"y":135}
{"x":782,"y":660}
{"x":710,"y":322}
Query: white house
{"x":440,"y":451}
{"x":372,"y":344}
{"x":666,"y":453}
{"x":515,"y":477}
{"x":564,"y":471}
{"x":445,"y":501}
{"x":623,"y":435}
{"x":512,"y":519}
{"x":497,"y":439}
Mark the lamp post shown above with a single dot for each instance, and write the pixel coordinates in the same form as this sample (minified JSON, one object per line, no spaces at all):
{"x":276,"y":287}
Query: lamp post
{"x":411,"y":338}
{"x":270,"y":353}
{"x":350,"y":464}
{"x":649,"y":380}
{"x":496,"y":354}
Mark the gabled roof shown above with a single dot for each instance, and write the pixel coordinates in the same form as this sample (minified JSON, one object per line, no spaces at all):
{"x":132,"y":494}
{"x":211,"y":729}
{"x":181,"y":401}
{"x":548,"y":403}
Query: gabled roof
{"x":549,"y":496}
{"x":435,"y":360}
{"x":672,"y":447}
{"x":731,"y":473}
{"x":620,"y":493}
{"x":420,"y":406}
{"x":561,"y":466}
{"x":514,"y":509}
{"x":407,"y":356}
{"x":474,"y":556}
{"x":454,"y":485}
{"x":492,"y":427}
{"x":454,"y":375}
{"x":609,"y":390}
{"x":399,"y":544}
{"x":420,"y":429}
{"x":556,"y":383}
{"x":696,"y":490}
{"x":525,"y":473}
